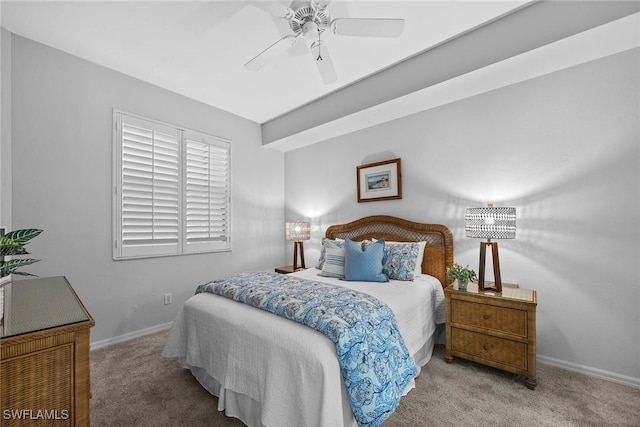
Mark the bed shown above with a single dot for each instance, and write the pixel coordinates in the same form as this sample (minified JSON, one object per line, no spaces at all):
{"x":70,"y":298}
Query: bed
{"x":270,"y":371}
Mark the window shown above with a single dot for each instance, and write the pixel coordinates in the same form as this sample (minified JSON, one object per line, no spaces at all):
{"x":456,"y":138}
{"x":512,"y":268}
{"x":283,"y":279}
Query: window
{"x":171,"y":190}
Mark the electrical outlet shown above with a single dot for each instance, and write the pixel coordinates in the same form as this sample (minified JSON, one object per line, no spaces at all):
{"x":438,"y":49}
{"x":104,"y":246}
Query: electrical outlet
{"x":168,"y":299}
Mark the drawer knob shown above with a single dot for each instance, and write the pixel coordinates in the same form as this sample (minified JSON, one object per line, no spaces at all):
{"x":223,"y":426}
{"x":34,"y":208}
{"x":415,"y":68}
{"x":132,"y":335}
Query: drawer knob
{"x":486,"y":346}
{"x":485,"y":317}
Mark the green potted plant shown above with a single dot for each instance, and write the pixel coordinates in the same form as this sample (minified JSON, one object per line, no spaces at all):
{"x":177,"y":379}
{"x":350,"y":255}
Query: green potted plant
{"x":12,"y":244}
{"x":462,"y":274}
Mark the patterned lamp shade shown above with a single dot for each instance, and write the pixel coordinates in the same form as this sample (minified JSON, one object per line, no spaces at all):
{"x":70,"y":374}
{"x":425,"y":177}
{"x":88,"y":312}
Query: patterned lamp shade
{"x":490,"y":223}
{"x":298,"y":230}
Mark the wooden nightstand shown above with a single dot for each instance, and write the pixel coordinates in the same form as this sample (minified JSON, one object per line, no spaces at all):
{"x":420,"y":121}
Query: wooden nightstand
{"x":495,"y":329}
{"x":287,"y":269}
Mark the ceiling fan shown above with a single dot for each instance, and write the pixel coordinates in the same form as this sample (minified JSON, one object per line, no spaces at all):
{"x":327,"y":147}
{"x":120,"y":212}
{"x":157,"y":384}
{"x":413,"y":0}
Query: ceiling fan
{"x":309,"y":20}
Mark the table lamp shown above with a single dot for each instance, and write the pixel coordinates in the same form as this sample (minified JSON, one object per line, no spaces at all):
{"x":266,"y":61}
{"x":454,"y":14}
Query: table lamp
{"x":490,"y":223}
{"x":297,"y":232}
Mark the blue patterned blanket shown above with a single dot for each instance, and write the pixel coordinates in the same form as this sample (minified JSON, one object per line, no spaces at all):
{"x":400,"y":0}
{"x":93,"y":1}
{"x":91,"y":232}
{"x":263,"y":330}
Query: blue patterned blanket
{"x":375,"y":364}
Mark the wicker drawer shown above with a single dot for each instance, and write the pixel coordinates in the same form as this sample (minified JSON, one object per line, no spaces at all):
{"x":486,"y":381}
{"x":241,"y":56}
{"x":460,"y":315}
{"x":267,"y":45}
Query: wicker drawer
{"x":495,"y":329}
{"x":42,"y":381}
{"x":501,"y":319}
{"x":503,"y":351}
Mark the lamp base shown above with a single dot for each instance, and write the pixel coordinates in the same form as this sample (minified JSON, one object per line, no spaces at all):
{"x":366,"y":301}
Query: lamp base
{"x":496,"y":267}
{"x":297,"y":266}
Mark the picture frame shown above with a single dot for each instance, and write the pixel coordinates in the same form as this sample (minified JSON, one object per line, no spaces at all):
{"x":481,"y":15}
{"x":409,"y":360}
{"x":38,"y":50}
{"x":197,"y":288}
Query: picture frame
{"x":379,"y":181}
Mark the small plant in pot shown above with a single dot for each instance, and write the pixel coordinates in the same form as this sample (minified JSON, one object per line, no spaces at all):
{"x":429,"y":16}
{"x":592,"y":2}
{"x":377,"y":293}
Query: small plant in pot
{"x":462,"y":274}
{"x":12,"y":244}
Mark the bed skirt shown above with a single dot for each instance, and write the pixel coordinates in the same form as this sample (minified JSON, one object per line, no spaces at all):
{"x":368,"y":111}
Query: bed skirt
{"x":248,"y":410}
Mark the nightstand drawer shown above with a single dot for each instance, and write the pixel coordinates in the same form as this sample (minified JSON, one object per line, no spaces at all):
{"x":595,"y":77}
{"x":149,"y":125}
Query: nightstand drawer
{"x":500,"y":319}
{"x":503,"y":351}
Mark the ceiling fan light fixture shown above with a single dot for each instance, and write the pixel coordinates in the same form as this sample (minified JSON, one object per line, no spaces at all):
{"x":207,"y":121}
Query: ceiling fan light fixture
{"x":310,"y":30}
{"x":307,"y":14}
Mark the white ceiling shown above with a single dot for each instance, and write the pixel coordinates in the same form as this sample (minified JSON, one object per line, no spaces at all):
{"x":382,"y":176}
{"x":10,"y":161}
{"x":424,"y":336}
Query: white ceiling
{"x":198,"y":48}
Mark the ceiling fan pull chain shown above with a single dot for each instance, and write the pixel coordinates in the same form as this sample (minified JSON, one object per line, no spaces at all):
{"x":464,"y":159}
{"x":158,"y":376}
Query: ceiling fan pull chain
{"x":319,"y":58}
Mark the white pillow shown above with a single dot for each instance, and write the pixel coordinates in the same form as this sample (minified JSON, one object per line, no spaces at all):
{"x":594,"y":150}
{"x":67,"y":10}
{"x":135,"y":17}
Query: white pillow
{"x":418,"y":271}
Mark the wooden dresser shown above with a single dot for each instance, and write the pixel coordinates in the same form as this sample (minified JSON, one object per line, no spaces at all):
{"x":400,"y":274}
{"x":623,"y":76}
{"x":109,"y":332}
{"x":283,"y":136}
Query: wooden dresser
{"x":495,"y":329}
{"x":44,"y":354}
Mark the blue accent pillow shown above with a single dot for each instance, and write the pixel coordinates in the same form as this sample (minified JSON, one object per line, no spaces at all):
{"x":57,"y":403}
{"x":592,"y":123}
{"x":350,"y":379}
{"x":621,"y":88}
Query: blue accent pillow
{"x":364,"y":265}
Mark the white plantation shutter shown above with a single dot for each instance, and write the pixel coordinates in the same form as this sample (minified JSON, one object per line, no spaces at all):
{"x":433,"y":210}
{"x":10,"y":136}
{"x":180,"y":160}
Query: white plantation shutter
{"x":207,"y":192}
{"x":172,"y":190}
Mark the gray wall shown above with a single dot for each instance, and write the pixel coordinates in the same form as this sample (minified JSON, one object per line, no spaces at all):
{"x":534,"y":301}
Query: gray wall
{"x":564,"y":149}
{"x":62,"y":171}
{"x":5,"y":129}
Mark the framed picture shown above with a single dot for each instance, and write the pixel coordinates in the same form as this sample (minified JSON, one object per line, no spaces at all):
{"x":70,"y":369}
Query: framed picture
{"x":379,"y":181}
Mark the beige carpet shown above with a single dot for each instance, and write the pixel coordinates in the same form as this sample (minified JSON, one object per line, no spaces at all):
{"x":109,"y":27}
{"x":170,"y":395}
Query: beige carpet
{"x":132,"y":385}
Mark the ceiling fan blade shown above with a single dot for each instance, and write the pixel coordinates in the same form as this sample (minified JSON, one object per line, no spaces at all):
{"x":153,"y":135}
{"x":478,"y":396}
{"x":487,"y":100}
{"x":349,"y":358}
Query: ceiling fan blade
{"x":270,"y":53}
{"x":368,"y":27}
{"x":275,"y":8}
{"x":299,"y":49}
{"x":324,"y":63}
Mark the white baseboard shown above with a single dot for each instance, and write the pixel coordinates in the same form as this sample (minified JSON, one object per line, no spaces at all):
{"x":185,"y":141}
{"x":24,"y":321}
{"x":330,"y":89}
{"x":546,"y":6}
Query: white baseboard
{"x":131,"y":335}
{"x":592,"y":372}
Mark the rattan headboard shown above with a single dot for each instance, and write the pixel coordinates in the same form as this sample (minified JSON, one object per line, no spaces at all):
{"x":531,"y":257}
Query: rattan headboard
{"x":438,"y":253}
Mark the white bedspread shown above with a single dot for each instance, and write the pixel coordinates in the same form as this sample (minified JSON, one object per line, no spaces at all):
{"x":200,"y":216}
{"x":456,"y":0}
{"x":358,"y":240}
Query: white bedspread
{"x":270,"y":371}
